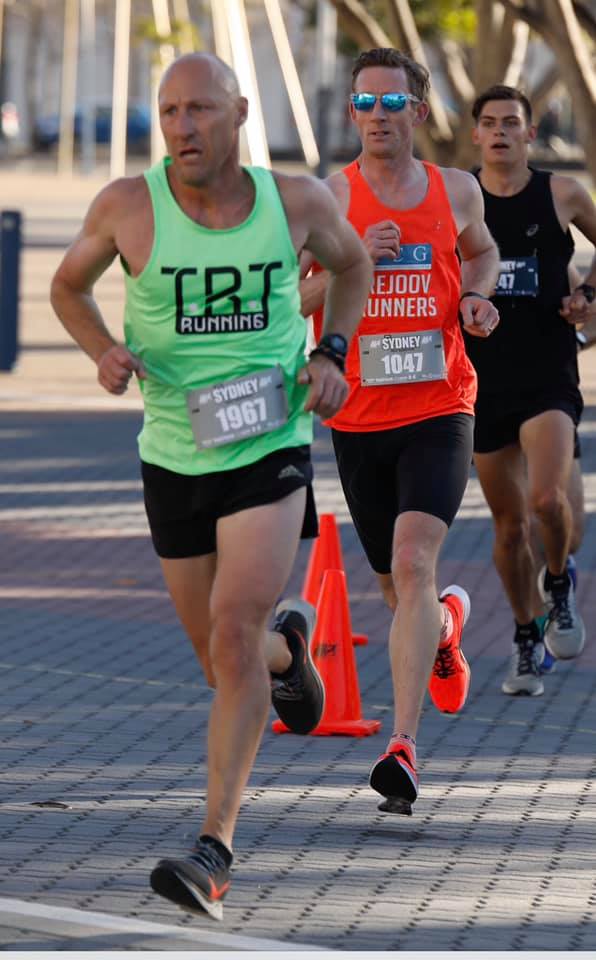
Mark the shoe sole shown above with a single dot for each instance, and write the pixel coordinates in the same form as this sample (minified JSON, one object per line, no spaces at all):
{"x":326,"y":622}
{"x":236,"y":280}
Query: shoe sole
{"x":389,"y":779}
{"x":169,"y":881}
{"x":310,"y":614}
{"x":565,"y":653}
{"x":523,"y":693}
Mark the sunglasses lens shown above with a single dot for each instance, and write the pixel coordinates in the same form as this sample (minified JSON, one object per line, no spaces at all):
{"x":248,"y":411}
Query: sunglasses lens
{"x":394,"y":101}
{"x":364,"y":101}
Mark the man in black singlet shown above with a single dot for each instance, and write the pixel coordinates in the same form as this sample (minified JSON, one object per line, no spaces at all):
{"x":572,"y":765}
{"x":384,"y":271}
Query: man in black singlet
{"x":529,"y":403}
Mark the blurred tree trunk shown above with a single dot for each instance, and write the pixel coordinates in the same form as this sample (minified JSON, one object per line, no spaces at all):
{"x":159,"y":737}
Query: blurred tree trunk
{"x":34,"y":32}
{"x":557,"y":22}
{"x":503,"y":28}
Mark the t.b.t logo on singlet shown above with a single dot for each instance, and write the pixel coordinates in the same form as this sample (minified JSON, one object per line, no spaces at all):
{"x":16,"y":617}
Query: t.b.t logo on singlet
{"x":224,"y":306}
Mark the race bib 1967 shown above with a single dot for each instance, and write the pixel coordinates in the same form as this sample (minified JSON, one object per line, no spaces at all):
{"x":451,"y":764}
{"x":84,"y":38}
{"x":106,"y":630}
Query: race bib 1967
{"x":236,"y":409}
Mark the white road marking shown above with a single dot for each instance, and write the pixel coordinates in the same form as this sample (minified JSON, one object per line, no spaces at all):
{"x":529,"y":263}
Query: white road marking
{"x":69,"y":922}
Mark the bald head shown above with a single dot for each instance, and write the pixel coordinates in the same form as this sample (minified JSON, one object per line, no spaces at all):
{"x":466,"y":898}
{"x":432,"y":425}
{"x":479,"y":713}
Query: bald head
{"x":206,"y":68}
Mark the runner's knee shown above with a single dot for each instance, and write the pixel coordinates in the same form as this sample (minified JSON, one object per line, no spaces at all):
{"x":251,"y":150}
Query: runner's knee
{"x":412,"y":566}
{"x":511,"y":531}
{"x":549,"y":504}
{"x":235,"y":649}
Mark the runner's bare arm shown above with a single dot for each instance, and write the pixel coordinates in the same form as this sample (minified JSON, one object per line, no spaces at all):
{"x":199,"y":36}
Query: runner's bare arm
{"x":317,"y":226}
{"x":575,"y":205}
{"x":71,"y":295}
{"x":313,"y":286}
{"x":478,"y":251}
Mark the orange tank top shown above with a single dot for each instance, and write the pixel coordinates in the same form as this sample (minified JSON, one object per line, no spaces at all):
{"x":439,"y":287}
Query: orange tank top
{"x":419,"y":292}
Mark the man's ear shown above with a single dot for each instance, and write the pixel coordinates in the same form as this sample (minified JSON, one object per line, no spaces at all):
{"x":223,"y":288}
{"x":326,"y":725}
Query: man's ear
{"x":475,"y":137}
{"x":242,"y":111}
{"x":421,"y":112}
{"x":532,"y":133}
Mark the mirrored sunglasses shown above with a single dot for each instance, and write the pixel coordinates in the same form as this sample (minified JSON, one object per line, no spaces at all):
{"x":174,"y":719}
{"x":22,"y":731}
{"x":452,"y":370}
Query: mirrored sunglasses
{"x":393,"y":102}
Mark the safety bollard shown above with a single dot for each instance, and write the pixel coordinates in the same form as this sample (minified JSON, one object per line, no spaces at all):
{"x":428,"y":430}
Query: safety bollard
{"x":10,"y":257}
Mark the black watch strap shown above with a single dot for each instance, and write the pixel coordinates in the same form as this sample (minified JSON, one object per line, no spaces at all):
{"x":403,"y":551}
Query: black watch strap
{"x":472,"y":293}
{"x":334,"y":346}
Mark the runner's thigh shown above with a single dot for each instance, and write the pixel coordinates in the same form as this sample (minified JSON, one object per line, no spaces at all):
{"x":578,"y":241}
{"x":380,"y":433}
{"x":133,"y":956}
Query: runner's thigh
{"x":547,"y":441}
{"x":256,"y":549}
{"x":434,"y":467}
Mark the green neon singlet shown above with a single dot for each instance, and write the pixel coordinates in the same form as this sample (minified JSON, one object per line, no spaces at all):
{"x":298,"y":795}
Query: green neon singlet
{"x":210,"y":306}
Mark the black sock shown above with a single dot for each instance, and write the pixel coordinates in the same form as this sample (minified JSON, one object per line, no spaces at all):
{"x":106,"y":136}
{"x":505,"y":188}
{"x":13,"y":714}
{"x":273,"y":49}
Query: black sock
{"x":527,"y":631}
{"x":225,"y":854}
{"x":556,"y":583}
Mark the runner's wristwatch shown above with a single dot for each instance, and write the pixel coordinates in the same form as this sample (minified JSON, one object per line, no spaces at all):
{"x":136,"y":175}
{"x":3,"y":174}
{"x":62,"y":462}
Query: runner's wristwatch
{"x":333,"y":346}
{"x":588,"y":291}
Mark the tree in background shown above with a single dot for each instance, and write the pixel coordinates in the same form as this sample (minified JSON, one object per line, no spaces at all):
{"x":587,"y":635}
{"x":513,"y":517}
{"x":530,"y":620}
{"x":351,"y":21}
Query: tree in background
{"x":475,"y":43}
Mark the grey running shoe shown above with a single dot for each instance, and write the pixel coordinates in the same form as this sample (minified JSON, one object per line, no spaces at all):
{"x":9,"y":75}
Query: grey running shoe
{"x":198,"y":882}
{"x":298,"y":695}
{"x":565,"y":633}
{"x":523,"y":676}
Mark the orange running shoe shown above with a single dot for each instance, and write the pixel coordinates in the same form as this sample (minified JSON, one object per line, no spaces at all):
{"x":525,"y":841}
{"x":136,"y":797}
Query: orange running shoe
{"x":450,"y":680}
{"x":395,"y":777}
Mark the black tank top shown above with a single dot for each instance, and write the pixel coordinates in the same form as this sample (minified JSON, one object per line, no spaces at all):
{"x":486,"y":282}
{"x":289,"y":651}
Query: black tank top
{"x":533,"y":347}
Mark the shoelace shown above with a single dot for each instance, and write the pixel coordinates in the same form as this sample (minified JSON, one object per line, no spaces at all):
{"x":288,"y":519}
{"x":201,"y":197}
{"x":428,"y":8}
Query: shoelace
{"x":527,"y":657}
{"x":561,"y":613}
{"x":208,"y":857}
{"x":445,"y":665}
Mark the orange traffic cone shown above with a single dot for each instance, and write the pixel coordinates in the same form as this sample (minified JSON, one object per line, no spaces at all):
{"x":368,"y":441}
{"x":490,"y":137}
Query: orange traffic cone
{"x":333,"y":654}
{"x":325,"y":555}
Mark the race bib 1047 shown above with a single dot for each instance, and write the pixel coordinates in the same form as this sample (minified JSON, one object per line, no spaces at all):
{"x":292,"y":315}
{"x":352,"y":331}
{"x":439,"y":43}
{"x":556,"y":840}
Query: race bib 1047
{"x":392,"y":358}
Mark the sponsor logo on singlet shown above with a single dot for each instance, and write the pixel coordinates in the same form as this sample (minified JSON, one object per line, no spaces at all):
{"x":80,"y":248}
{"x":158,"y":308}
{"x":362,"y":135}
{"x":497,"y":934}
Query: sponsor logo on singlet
{"x":401,"y":286}
{"x":226,"y":310}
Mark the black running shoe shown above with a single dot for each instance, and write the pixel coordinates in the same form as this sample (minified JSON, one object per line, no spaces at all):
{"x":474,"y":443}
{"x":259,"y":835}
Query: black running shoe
{"x":298,"y":695}
{"x":395,"y":777}
{"x":198,"y":882}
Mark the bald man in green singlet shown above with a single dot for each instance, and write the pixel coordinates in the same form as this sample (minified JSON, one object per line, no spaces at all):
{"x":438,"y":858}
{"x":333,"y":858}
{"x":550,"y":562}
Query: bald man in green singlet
{"x":216,"y":339}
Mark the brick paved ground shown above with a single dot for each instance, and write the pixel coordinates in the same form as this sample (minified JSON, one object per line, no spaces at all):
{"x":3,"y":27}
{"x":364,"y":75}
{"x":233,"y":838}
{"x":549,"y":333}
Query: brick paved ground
{"x":103,"y":715}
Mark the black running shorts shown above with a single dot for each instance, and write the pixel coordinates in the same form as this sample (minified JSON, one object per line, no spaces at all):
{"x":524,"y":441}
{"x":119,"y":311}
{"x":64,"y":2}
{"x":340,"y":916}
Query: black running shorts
{"x":500,"y":416}
{"x":423,"y":466}
{"x":183,"y":510}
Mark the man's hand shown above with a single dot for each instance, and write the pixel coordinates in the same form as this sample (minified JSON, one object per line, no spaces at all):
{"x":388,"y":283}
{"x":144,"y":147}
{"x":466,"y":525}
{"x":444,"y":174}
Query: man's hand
{"x":328,"y":386}
{"x":576,"y":309}
{"x":116,"y":366}
{"x":382,"y":240}
{"x":479,"y":316}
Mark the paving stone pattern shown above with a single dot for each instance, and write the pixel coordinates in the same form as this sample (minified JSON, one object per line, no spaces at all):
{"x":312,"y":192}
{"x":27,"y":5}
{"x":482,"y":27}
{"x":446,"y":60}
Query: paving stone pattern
{"x":104,"y":714}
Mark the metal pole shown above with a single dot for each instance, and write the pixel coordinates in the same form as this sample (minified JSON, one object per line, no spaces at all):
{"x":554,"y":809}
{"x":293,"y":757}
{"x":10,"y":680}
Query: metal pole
{"x":293,"y":86}
{"x":10,"y":249}
{"x":120,"y":89}
{"x":68,"y":91}
{"x":88,"y":85}
{"x":326,"y":58}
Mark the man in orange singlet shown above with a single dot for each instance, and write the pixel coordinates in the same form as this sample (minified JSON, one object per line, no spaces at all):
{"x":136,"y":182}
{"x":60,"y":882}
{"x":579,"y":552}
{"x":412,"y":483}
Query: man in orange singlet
{"x":403,"y":439}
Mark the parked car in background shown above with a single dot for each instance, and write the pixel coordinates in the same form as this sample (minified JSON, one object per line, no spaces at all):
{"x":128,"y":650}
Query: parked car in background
{"x":46,"y":132}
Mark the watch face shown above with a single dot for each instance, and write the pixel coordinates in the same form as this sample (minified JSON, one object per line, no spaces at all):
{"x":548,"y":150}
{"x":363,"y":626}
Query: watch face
{"x":336,"y":342}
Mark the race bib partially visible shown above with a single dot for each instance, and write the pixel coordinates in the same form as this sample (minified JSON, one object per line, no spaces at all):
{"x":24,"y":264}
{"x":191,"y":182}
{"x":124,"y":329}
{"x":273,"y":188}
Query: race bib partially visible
{"x":392,"y":358}
{"x":518,"y":278}
{"x":236,"y":409}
